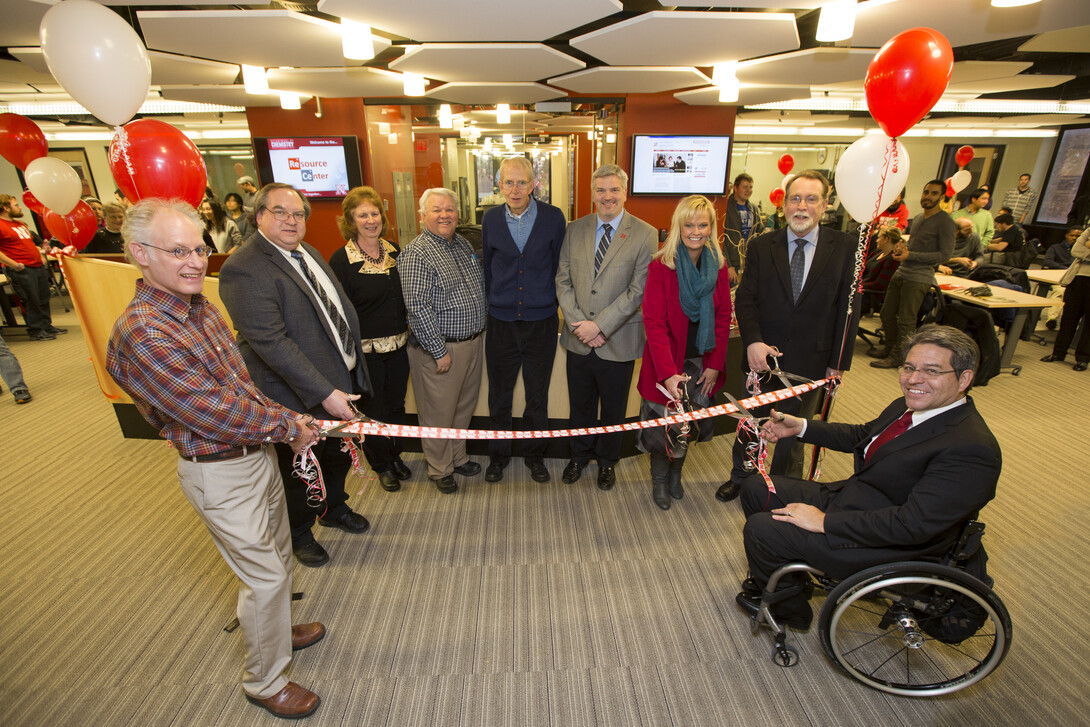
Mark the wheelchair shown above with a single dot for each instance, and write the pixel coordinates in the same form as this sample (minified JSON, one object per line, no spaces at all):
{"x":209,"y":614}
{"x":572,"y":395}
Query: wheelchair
{"x":913,"y":628}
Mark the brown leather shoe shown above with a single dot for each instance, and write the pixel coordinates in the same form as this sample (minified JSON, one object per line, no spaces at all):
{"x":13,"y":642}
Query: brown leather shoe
{"x":304,"y":635}
{"x":291,"y":702}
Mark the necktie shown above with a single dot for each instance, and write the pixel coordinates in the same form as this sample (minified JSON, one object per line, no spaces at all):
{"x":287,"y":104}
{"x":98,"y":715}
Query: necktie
{"x":603,"y":245}
{"x":798,"y":269}
{"x":895,"y":429}
{"x":334,"y":314}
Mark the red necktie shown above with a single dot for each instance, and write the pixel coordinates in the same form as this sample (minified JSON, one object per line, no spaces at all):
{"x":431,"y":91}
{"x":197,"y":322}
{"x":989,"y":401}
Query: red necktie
{"x":895,"y":429}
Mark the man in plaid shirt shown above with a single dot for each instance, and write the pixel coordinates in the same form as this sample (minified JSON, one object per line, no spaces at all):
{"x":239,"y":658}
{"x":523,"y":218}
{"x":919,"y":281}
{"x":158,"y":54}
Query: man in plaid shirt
{"x":172,"y":352}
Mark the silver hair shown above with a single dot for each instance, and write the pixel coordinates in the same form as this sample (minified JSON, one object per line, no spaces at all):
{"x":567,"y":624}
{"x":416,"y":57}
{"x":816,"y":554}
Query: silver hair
{"x":609,"y":170}
{"x":429,"y":193}
{"x":140,"y":220}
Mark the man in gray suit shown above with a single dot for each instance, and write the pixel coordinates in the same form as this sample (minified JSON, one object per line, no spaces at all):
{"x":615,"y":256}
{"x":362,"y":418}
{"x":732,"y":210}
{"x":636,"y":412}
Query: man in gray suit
{"x":301,"y":344}
{"x":599,"y":283}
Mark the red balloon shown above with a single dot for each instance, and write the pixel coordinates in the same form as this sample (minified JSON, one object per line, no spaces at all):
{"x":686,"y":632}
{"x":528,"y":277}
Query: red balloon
{"x":786,"y":163}
{"x":963,"y":156}
{"x":21,"y":141}
{"x":776,"y":196}
{"x":950,"y":191}
{"x":150,"y":158}
{"x":31,"y":203}
{"x":907,"y":77}
{"x":75,"y":228}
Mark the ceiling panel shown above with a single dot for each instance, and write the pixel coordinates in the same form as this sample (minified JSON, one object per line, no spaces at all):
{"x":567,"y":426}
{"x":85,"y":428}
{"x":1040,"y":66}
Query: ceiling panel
{"x":794,"y":116}
{"x":767,"y":4}
{"x":1068,"y":40}
{"x":493,"y":93}
{"x":631,"y":80}
{"x":233,"y":95}
{"x":969,"y":71}
{"x":32,"y":56}
{"x":747,"y":95}
{"x":1013,"y":83}
{"x":817,"y":66}
{"x":337,"y":82}
{"x":22,"y":18}
{"x":964,"y":22}
{"x":268,"y":38}
{"x":681,"y":38}
{"x":490,"y":20}
{"x":486,"y":61}
{"x":168,"y":69}
{"x":19,"y":72}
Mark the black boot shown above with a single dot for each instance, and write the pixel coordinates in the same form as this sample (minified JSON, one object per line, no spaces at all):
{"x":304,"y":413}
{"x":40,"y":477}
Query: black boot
{"x":660,"y":471}
{"x":676,"y":490}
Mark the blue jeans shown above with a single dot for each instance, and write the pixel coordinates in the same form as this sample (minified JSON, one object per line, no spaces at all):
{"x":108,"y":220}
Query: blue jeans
{"x":10,"y":371}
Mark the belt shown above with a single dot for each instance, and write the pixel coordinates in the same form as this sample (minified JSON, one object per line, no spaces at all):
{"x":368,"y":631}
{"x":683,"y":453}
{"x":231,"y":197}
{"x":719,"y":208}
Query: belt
{"x":463,"y":340}
{"x":227,"y":454}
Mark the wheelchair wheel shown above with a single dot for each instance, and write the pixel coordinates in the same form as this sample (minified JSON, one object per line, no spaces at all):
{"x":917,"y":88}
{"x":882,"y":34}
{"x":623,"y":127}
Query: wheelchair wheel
{"x":915,"y":629}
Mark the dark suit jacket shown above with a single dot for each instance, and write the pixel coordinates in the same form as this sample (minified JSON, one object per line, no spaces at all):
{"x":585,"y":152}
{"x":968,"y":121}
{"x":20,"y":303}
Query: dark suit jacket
{"x":289,"y":349}
{"x":810,"y":333}
{"x":918,"y":488}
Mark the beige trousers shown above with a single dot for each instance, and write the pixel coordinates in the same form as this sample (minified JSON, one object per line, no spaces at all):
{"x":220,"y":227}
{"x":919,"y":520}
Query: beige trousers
{"x":241,"y":502}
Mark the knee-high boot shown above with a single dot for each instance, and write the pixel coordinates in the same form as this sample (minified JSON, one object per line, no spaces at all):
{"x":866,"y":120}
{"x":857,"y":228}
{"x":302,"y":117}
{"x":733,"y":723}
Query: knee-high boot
{"x":677,"y":491}
{"x":660,"y":471}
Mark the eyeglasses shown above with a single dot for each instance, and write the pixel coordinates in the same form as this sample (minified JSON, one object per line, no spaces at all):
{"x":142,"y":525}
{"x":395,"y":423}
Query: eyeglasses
{"x":521,"y":184}
{"x":909,"y":369}
{"x":282,"y":215}
{"x":811,"y":200}
{"x":183,"y":253}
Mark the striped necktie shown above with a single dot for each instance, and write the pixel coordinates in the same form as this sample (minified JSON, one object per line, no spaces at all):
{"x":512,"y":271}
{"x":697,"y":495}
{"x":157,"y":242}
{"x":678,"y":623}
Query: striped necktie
{"x":603,"y":245}
{"x":334,"y":314}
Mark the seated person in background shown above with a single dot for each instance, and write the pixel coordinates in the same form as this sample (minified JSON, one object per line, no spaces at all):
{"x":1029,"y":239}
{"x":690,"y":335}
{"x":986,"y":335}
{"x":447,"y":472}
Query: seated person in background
{"x":1008,"y":240}
{"x":1058,"y":256}
{"x":109,"y":239}
{"x":879,"y":269}
{"x":96,"y":207}
{"x":896,"y":214}
{"x":923,"y":467}
{"x":225,"y":235}
{"x":977,"y":212}
{"x":968,"y":252}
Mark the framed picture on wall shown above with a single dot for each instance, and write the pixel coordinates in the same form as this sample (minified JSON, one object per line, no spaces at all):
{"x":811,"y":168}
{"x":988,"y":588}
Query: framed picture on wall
{"x":77,"y":159}
{"x":1065,"y":199}
{"x":984,"y":169}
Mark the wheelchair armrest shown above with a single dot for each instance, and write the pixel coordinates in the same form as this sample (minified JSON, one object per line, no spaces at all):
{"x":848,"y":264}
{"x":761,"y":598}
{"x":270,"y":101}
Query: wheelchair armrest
{"x":968,"y":542}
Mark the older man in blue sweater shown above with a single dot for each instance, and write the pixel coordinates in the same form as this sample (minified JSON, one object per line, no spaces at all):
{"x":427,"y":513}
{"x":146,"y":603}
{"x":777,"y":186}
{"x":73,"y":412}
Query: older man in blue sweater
{"x":521,"y":248}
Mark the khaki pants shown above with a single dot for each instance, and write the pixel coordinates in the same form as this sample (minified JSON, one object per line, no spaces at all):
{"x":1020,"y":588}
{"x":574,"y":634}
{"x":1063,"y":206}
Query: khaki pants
{"x":446,"y":400}
{"x":241,"y":502}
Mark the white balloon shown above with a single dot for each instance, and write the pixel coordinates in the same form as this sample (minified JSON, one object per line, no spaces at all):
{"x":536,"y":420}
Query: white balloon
{"x":860,"y":172}
{"x":961,"y":180}
{"x":783,"y":182}
{"x":97,"y":57}
{"x":55,"y":184}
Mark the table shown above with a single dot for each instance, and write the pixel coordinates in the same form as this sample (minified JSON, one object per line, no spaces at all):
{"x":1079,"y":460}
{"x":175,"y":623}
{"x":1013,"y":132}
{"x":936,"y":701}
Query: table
{"x":1000,"y":298}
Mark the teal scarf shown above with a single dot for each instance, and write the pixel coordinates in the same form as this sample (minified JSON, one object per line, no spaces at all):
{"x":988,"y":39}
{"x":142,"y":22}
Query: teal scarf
{"x":696,"y":287}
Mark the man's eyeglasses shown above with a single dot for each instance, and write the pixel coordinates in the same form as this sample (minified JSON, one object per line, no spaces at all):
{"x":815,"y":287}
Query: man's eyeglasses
{"x":521,"y":184}
{"x":909,"y":369}
{"x":811,"y":200}
{"x":281,"y":215}
{"x":183,"y":253}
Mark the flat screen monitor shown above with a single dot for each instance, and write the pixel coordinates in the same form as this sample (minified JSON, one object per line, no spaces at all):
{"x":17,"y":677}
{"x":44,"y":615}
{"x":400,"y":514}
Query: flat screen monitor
{"x":318,"y":166}
{"x":680,"y":164}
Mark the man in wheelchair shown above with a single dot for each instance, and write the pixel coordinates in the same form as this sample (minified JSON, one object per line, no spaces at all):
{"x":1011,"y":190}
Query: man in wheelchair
{"x":923,"y":467}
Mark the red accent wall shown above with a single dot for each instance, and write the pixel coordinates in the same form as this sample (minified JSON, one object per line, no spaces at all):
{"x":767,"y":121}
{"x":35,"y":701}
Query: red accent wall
{"x":340,"y":117}
{"x":661,"y":113}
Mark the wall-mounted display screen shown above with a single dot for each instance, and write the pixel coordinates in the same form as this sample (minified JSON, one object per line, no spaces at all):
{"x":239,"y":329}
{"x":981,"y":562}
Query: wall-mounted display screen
{"x":318,"y":166}
{"x":680,"y":164}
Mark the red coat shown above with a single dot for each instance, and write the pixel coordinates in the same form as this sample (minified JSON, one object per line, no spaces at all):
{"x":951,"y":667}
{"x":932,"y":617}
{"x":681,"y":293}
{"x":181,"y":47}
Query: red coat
{"x":667,"y":329}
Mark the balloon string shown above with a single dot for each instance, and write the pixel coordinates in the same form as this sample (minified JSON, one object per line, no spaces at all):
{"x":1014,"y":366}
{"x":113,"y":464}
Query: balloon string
{"x":121,"y":140}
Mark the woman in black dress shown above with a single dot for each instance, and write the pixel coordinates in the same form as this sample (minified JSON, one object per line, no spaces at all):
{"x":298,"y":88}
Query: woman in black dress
{"x":367,"y":269}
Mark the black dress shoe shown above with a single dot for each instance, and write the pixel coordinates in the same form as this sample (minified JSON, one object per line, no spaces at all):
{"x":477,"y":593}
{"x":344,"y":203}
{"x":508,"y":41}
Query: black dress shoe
{"x":1080,"y":366}
{"x":728,"y":491}
{"x":494,"y":472}
{"x":353,"y":522}
{"x":538,"y":471}
{"x":401,"y":470}
{"x":311,"y":554}
{"x":468,"y":469}
{"x":572,"y":472}
{"x":389,"y":481}
{"x":446,"y":485}
{"x":798,"y":616}
{"x":1052,"y":357}
{"x":606,"y":478}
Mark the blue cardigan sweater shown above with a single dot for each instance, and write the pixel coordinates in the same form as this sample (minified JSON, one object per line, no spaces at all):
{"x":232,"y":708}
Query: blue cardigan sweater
{"x":522,"y":286}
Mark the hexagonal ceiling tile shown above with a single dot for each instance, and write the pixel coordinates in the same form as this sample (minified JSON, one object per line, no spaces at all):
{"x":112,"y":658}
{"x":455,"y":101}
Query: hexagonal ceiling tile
{"x":631,"y":80}
{"x":465,"y":92}
{"x":684,"y":38}
{"x":811,"y":67}
{"x":337,"y":82}
{"x":233,"y":95}
{"x":486,"y":61}
{"x":489,"y":20}
{"x":1068,"y":40}
{"x":748,"y":94}
{"x":268,"y":38}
